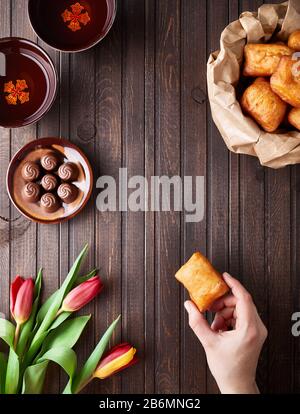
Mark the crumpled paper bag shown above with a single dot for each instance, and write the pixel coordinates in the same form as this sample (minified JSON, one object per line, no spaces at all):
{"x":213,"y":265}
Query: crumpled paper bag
{"x":241,"y":134}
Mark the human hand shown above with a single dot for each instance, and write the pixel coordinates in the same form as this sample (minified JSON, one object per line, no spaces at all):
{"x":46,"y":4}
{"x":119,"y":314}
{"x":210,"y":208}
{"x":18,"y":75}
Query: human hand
{"x":234,"y":340}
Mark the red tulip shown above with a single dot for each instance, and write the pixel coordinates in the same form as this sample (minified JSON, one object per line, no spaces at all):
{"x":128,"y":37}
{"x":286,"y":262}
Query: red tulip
{"x":82,"y":294}
{"x":21,"y":298}
{"x":118,"y":358}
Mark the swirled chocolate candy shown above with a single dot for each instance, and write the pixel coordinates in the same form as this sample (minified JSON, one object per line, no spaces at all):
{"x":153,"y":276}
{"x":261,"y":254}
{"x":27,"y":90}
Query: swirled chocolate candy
{"x":49,"y":161}
{"x":50,"y":203}
{"x":67,"y":192}
{"x":49,"y":182}
{"x":31,"y":192}
{"x":30,"y":171}
{"x":68,"y":171}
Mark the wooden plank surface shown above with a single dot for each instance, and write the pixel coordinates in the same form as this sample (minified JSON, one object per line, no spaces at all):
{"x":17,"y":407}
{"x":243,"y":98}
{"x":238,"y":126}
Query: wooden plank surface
{"x":138,"y":100}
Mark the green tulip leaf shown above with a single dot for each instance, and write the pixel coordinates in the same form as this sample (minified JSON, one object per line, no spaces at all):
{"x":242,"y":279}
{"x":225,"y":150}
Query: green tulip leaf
{"x":12,"y":373}
{"x":66,"y":335}
{"x":59,"y":320}
{"x":34,"y":377}
{"x":3,"y":365}
{"x":91,"y":364}
{"x":27,"y":327}
{"x":54,"y":306}
{"x":7,"y":332}
{"x":63,"y":356}
{"x":45,"y":307}
{"x":86,"y":277}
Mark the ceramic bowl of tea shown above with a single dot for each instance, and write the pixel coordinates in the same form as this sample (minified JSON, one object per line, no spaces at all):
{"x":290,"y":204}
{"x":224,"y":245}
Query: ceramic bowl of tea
{"x":28,"y":82}
{"x":70,"y":25}
{"x":49,"y":180}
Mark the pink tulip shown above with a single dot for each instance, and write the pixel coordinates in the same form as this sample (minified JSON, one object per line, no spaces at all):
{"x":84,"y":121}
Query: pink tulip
{"x":82,"y":295}
{"x":21,"y":298}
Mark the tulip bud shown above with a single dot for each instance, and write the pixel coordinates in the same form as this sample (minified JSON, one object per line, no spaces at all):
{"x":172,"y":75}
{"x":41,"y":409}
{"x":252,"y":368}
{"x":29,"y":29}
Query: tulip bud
{"x":21,"y":298}
{"x":117,"y":359}
{"x":82,"y":294}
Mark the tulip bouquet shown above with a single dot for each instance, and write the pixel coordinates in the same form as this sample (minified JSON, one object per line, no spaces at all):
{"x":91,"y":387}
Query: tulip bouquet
{"x":48,"y":332}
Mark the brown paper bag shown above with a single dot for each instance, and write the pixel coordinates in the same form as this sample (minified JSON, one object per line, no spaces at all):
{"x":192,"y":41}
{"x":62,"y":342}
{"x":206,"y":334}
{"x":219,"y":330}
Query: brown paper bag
{"x":240,"y":133}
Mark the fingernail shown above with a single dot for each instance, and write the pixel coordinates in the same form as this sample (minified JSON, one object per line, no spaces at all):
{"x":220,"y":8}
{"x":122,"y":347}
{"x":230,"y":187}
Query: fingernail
{"x":187,"y":306}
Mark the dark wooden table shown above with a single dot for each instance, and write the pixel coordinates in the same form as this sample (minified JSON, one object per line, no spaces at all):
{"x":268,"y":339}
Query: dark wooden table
{"x":138,"y":100}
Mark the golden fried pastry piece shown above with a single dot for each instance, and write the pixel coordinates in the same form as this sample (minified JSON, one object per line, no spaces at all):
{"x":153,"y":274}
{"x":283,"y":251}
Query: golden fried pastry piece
{"x":294,"y":41}
{"x":264,"y":105}
{"x":294,"y":117}
{"x":263,"y":59}
{"x":286,"y":80}
{"x":202,"y":281}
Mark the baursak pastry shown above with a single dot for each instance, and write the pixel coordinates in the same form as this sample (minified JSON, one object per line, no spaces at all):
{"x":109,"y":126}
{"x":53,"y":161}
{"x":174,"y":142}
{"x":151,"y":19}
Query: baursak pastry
{"x":294,"y":117}
{"x":202,"y":281}
{"x":263,"y":59}
{"x":286,"y":81}
{"x":294,"y":41}
{"x":264,"y":105}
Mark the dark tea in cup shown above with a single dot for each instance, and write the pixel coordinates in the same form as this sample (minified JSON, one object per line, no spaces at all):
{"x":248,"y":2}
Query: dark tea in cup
{"x":70,"y":25}
{"x":28,"y":82}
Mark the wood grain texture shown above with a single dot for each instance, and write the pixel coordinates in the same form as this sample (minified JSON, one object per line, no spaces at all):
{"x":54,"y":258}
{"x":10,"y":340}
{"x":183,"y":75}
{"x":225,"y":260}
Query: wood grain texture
{"x":218,"y":166}
{"x":5,"y":225}
{"x":167,"y":158}
{"x":193,"y":163}
{"x":138,"y":100}
{"x":108,"y":162}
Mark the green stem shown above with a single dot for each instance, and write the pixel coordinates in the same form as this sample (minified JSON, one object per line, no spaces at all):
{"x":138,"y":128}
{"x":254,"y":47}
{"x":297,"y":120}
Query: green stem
{"x":83,"y":385}
{"x":17,"y":334}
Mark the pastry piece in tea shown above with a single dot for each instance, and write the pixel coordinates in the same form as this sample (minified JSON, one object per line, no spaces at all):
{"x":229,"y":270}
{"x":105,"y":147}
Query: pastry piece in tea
{"x":202,"y":281}
{"x":16,"y":93}
{"x":49,"y":161}
{"x":30,"y":171}
{"x":31,"y":192}
{"x":263,"y":59}
{"x":76,"y":16}
{"x":49,"y":182}
{"x":264,"y":105}
{"x":294,"y":41}
{"x":294,"y":117}
{"x":50,"y":203}
{"x":286,"y":80}
{"x":68,"y":171}
{"x":67,"y":192}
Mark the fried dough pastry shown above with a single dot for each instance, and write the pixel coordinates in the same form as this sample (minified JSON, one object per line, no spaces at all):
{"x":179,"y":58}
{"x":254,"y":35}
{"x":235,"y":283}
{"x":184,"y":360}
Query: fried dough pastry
{"x":264,"y":105}
{"x":263,"y":59}
{"x":294,"y":117}
{"x":286,"y":80}
{"x":294,"y":41}
{"x":202,"y":281}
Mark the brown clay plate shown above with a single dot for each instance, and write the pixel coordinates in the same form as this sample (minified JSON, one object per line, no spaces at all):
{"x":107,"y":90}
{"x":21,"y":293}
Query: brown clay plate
{"x":66,"y":152}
